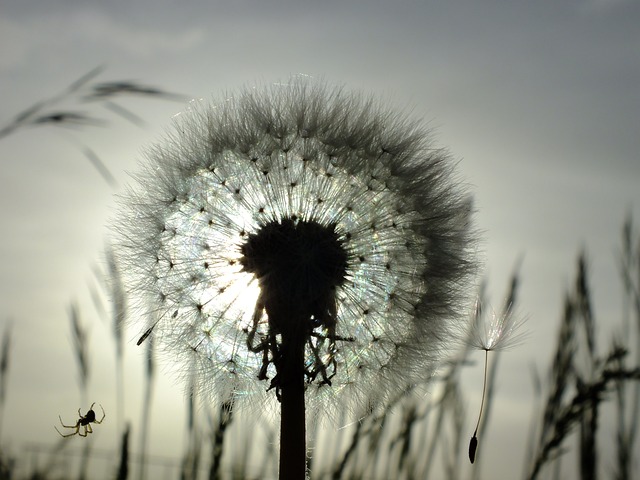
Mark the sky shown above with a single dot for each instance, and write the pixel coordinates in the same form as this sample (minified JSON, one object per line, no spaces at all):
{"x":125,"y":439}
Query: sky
{"x":538,"y":103}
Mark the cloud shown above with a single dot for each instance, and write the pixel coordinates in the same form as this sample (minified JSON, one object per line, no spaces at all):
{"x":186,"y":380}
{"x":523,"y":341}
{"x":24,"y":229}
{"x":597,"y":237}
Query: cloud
{"x":14,"y":44}
{"x":136,"y":40}
{"x":25,"y":36}
{"x":597,"y":6}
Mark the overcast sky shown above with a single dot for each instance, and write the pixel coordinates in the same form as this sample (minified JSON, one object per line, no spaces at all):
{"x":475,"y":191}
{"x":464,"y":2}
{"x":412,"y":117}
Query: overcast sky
{"x":538,"y":101}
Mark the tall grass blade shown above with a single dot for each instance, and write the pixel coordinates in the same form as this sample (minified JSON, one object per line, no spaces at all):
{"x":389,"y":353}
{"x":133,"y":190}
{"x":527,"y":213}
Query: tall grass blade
{"x":4,"y":373}
{"x":117,"y":295}
{"x":146,"y":407}
{"x":123,"y":469}
{"x":225,"y":416}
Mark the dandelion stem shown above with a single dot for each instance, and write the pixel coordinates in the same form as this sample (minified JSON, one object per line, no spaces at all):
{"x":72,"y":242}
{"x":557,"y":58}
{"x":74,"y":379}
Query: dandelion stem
{"x":474,"y":440}
{"x":292,"y":409}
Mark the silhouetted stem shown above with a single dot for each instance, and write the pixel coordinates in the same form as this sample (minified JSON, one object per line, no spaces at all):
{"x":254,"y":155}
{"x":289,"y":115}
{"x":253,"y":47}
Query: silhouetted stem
{"x":293,"y":451}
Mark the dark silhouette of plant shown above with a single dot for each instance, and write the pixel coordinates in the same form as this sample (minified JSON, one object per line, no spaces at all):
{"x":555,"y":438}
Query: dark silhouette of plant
{"x":305,"y":237}
{"x":60,"y":110}
{"x":580,"y":382}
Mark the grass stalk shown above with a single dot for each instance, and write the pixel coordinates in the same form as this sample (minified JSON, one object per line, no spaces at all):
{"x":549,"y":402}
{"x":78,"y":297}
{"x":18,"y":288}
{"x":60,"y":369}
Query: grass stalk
{"x":225,"y":416}
{"x":146,"y":408}
{"x":81,"y":348}
{"x":117,"y":296}
{"x":123,"y":469}
{"x":4,"y":373}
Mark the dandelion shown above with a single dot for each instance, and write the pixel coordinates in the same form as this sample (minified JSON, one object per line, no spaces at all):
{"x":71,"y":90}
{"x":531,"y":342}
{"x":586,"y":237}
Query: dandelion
{"x":300,"y":240}
{"x":500,"y":332}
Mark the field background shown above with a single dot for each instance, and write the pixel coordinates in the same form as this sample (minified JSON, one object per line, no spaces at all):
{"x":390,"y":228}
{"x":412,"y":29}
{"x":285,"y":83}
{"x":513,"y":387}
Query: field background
{"x":538,"y":101}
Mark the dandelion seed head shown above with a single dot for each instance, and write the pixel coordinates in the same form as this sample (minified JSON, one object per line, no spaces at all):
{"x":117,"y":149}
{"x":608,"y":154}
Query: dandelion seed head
{"x":303,"y":195}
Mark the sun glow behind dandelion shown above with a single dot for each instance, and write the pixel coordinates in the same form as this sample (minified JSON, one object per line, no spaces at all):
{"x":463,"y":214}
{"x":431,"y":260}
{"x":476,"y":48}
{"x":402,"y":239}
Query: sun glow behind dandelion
{"x":202,"y":249}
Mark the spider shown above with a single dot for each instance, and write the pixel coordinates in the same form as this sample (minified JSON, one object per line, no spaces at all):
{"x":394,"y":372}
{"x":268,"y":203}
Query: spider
{"x":85,"y":422}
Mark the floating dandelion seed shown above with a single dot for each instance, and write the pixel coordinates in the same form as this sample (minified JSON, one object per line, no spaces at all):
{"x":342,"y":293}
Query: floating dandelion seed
{"x":497,"y":331}
{"x":303,"y":240}
{"x":500,"y":332}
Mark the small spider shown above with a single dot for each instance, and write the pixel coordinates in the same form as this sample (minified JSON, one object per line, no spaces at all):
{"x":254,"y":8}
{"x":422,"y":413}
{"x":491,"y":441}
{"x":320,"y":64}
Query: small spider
{"x":85,"y":422}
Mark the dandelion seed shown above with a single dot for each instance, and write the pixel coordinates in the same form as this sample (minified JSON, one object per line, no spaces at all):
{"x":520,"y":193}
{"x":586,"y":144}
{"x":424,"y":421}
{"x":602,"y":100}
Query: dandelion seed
{"x":473,"y":446}
{"x":300,"y":240}
{"x":498,"y":332}
{"x":501,"y":332}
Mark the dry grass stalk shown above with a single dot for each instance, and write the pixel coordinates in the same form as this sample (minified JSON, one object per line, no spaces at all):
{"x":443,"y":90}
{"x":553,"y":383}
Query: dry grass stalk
{"x":592,"y":378}
{"x":4,"y":372}
{"x":60,"y":110}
